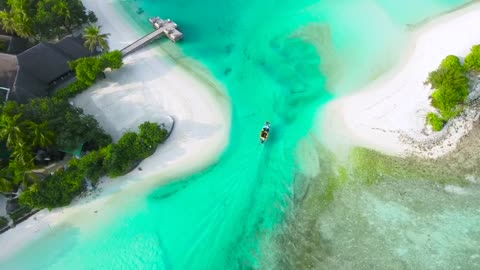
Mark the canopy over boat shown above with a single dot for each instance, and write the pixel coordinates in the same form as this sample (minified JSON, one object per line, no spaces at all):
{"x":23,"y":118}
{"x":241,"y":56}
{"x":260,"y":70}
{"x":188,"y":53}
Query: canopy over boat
{"x":265,"y":132}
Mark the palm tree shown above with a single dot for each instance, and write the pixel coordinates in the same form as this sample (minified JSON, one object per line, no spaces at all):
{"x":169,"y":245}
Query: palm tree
{"x":94,"y":39}
{"x":11,"y":130}
{"x":22,"y":173}
{"x":6,"y":183}
{"x":23,"y":24}
{"x":41,"y":135}
{"x":22,"y":155}
{"x":62,"y":9}
{"x":7,"y":21}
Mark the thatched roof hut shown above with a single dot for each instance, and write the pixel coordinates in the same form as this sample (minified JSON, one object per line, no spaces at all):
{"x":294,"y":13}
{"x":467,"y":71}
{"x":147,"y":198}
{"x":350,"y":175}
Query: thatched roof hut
{"x":35,"y":72}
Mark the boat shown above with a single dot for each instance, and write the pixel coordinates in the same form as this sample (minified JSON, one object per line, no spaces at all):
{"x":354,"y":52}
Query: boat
{"x":265,"y":132}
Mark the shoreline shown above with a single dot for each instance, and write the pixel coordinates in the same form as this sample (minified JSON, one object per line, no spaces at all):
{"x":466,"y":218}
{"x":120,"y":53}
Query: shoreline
{"x":150,"y":87}
{"x":388,"y":114}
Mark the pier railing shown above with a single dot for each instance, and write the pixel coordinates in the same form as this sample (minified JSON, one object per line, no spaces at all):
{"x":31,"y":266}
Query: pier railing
{"x":162,"y":27}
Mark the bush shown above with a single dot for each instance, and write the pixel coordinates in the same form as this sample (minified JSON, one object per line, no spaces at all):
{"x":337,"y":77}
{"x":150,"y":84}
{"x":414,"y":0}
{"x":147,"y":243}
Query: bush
{"x":123,"y":155}
{"x":55,"y":190}
{"x":113,"y":59}
{"x":149,"y":137}
{"x":3,"y":222}
{"x":454,"y":78}
{"x":70,"y":126}
{"x":472,"y":61}
{"x":71,"y":91}
{"x":447,"y":99}
{"x":90,"y":166}
{"x":114,"y":160}
{"x":92,"y":18}
{"x":87,"y":69}
{"x":436,"y":121}
{"x":451,"y":87}
{"x":452,"y":62}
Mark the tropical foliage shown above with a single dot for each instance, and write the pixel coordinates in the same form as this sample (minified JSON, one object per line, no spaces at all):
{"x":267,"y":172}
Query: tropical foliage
{"x":472,"y":61}
{"x":436,"y":121}
{"x":71,"y":90}
{"x":70,"y":126}
{"x":11,"y":129}
{"x":451,"y":91}
{"x":113,"y":60}
{"x":123,"y":156}
{"x":448,"y":77}
{"x":42,"y":136}
{"x":114,"y":160}
{"x":95,"y":39}
{"x":49,"y":124}
{"x":132,"y":148}
{"x":88,"y":69}
{"x":3,"y":222}
{"x":452,"y":62}
{"x":43,"y":19}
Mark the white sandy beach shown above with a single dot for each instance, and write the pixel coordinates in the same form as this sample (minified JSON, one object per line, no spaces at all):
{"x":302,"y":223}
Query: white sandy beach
{"x":388,"y":115}
{"x":150,"y":87}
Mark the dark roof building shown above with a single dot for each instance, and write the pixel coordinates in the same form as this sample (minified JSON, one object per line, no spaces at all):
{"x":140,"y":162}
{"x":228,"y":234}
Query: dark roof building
{"x":14,"y":45}
{"x":35,"y":72}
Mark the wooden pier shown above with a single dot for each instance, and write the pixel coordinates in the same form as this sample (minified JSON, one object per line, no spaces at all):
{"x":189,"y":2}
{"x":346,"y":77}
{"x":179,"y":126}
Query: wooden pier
{"x":162,"y":28}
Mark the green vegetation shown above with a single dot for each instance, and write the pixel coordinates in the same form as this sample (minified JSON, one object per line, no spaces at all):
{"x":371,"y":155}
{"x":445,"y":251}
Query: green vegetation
{"x":3,"y":45}
{"x":368,"y":177}
{"x":51,"y":125}
{"x":71,"y":91}
{"x":94,"y":39}
{"x":448,"y":77}
{"x":43,"y":19}
{"x":472,"y":61}
{"x":91,"y":165}
{"x":115,"y":160}
{"x":451,"y":62}
{"x":113,"y":60}
{"x":132,"y":148}
{"x":70,"y":126}
{"x":87,"y":69}
{"x":3,"y":222}
{"x":370,"y":167}
{"x":436,"y":121}
{"x":451,"y":90}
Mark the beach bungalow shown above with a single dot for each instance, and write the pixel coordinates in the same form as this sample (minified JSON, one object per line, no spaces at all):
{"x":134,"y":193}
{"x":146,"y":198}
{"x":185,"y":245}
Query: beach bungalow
{"x":40,"y":70}
{"x":13,"y":45}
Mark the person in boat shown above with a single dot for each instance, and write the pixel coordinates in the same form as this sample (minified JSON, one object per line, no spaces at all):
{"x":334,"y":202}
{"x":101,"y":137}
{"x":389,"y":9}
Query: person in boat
{"x":266,"y":127}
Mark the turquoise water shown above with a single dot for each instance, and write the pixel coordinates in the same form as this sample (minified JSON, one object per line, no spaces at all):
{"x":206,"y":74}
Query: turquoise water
{"x":279,"y":60}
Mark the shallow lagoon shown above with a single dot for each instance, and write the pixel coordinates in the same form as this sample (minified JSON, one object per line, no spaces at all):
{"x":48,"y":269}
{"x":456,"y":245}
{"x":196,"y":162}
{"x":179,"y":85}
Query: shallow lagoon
{"x":280,"y":61}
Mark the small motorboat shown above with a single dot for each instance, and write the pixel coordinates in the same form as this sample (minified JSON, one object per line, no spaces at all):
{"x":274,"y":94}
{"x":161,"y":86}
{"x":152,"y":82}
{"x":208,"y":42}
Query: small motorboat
{"x":265,"y":132}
